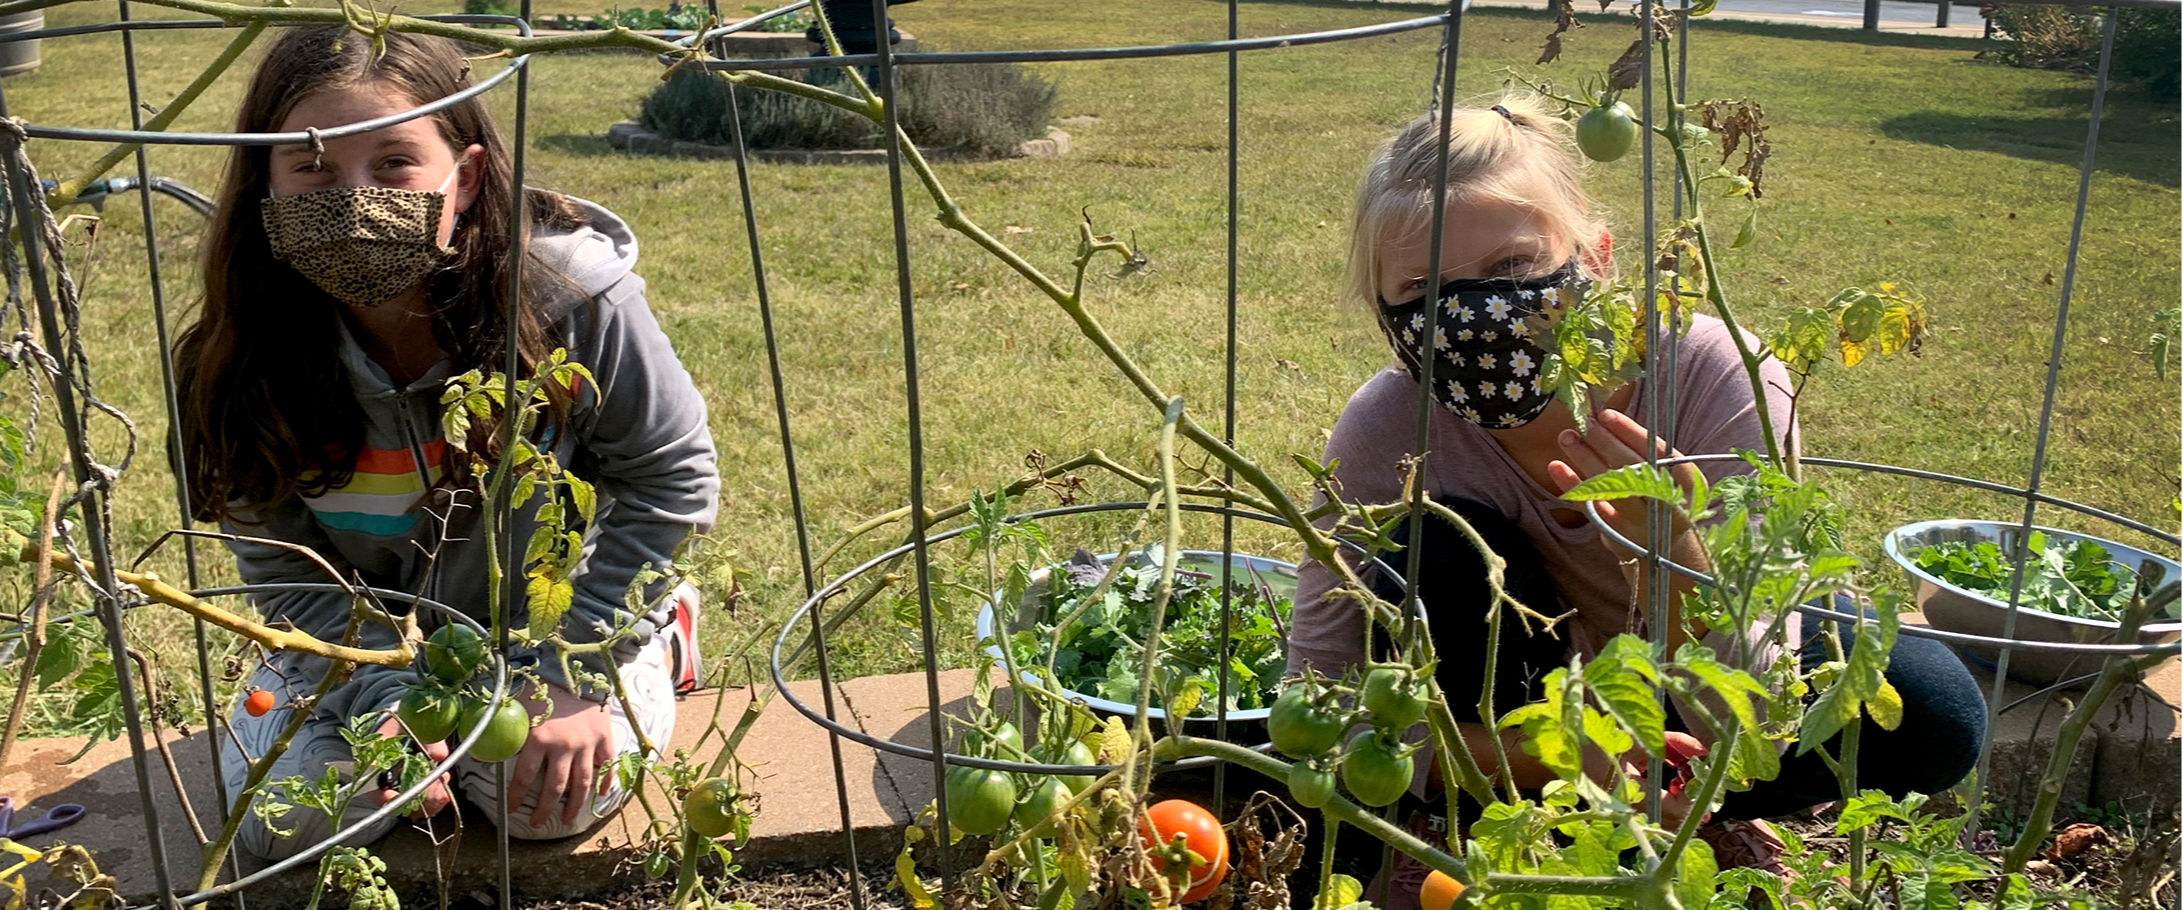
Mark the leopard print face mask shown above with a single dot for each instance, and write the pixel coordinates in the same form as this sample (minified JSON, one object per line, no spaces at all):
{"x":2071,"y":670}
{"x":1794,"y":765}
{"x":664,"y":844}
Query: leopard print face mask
{"x":362,"y":244}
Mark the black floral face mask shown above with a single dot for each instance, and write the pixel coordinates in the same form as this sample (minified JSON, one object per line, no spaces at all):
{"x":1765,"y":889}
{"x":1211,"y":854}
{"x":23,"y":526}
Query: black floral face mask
{"x":1482,"y":331}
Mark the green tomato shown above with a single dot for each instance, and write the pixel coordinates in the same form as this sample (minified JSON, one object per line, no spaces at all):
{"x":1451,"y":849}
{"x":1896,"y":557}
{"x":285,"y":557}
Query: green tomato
{"x":430,"y":716}
{"x":658,"y":864}
{"x":1004,"y":742}
{"x":453,"y":653}
{"x":1607,"y":133}
{"x":505,"y":733}
{"x":1037,"y":806}
{"x":709,"y":810}
{"x":1376,"y":769}
{"x":979,"y":801}
{"x":1301,"y":729}
{"x":1076,"y":754}
{"x":1310,"y":787}
{"x":1396,"y":701}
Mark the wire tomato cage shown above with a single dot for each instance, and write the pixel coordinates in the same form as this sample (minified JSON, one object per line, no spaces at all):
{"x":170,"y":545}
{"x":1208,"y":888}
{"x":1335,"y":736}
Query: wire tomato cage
{"x":72,"y":383}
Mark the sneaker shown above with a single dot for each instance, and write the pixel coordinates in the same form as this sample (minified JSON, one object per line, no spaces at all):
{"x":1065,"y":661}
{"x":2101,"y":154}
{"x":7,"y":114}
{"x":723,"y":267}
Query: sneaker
{"x":1739,"y":844}
{"x":683,"y":665}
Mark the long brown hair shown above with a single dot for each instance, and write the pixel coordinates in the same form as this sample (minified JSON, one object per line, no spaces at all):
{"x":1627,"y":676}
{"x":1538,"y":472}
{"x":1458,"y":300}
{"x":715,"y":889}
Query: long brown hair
{"x":266,"y":410}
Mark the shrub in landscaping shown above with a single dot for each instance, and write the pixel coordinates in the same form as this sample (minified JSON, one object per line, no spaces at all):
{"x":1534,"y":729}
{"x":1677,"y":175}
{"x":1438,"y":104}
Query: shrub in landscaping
{"x":980,"y":109}
{"x":490,"y":7}
{"x":2147,"y":50}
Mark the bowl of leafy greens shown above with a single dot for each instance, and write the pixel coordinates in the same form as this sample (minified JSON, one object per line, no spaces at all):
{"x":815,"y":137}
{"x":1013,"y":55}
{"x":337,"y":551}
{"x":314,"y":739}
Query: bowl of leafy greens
{"x":2075,"y":588}
{"x":1085,"y":632}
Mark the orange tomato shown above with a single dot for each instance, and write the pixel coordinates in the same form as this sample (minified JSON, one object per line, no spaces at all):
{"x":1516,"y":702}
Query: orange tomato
{"x":258,"y":703}
{"x":1439,"y":891}
{"x":1201,"y":833}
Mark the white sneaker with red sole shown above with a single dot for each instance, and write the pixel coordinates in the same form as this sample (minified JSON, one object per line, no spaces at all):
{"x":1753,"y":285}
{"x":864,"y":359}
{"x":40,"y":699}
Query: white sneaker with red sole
{"x":683,"y":664}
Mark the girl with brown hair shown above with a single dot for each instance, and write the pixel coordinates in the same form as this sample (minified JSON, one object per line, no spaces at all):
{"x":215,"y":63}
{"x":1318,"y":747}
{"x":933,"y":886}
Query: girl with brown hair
{"x":345,"y":282}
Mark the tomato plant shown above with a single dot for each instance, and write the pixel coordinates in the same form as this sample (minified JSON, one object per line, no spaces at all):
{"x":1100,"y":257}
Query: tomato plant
{"x":1199,"y":831}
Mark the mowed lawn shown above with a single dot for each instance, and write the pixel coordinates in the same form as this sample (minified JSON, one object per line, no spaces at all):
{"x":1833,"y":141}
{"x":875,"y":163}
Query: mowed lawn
{"x":1895,"y":159}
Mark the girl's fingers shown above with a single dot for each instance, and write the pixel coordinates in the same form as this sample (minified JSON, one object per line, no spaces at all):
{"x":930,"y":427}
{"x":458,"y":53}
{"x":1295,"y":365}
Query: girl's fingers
{"x":1564,"y":477}
{"x":1607,"y":440}
{"x":551,"y":786}
{"x":581,"y":773}
{"x":1580,"y":456}
{"x":528,"y":764}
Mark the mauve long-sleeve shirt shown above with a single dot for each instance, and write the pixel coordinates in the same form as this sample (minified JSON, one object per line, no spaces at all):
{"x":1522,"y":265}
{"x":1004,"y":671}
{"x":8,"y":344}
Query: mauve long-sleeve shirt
{"x":1714,"y":413}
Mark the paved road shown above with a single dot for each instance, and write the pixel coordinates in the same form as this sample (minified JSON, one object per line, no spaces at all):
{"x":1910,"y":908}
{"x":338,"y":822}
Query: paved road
{"x":1963,"y":21}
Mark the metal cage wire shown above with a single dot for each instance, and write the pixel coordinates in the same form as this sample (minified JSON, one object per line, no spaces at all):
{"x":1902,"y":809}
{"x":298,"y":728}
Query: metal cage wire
{"x":885,"y":64}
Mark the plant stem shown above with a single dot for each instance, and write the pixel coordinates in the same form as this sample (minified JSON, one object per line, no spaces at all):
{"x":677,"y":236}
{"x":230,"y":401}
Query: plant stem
{"x":1713,"y":292}
{"x":215,"y":853}
{"x":41,"y":594}
{"x":272,"y":639}
{"x":2118,"y":669}
{"x":69,"y":189}
{"x":1170,"y":554}
{"x":1716,"y":778}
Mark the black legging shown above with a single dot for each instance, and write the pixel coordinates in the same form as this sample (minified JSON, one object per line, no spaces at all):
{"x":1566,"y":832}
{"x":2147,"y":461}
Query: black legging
{"x":1937,"y":743}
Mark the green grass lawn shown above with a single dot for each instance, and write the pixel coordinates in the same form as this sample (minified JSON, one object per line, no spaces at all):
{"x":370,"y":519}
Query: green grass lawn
{"x":1896,"y":159}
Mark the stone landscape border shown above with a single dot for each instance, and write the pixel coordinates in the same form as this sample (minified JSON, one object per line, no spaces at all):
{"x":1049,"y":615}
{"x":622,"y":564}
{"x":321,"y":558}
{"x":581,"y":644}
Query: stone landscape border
{"x":631,"y":136}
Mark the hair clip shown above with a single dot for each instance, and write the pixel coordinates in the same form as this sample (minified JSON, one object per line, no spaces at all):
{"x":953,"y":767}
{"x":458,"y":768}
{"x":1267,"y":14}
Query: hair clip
{"x":1505,"y":115}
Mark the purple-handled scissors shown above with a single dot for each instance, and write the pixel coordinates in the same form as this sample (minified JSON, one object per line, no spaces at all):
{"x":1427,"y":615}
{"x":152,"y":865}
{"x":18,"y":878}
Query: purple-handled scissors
{"x":54,"y":819}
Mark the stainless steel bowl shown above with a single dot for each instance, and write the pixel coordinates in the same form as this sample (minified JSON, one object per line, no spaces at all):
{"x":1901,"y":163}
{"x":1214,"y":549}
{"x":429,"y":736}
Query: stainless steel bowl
{"x":1275,"y":574}
{"x":1957,"y":610}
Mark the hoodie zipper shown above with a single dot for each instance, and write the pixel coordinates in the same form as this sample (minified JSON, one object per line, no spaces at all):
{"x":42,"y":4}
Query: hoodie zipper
{"x":424,"y":479}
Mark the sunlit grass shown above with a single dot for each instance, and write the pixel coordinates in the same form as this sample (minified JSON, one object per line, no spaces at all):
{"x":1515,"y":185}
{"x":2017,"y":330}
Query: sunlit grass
{"x":1896,"y":159}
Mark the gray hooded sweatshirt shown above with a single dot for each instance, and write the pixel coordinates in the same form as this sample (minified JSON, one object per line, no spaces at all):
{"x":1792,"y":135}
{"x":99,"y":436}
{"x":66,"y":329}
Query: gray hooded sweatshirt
{"x":639,"y":435}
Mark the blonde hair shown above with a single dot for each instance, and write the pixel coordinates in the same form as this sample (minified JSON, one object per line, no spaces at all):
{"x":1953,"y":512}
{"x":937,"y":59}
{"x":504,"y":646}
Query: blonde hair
{"x":1525,"y":158}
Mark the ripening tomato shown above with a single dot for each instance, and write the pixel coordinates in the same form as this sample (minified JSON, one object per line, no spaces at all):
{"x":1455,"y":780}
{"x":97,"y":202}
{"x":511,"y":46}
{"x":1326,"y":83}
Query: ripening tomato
{"x":1607,"y":133}
{"x":1299,"y":728}
{"x":1076,"y":754}
{"x":979,"y":800}
{"x":1310,"y":787}
{"x":1395,"y":699}
{"x":1201,"y":833}
{"x":1376,"y":769}
{"x":1439,"y":891}
{"x":454,"y":652}
{"x":709,"y":810}
{"x":258,"y":703}
{"x":505,"y":732}
{"x":430,"y":716}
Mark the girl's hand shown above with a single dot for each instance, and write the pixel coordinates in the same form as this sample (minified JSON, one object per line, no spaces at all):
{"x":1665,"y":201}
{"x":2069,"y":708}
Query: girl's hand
{"x":1613,"y":441}
{"x":436,"y":797}
{"x":563,"y":757}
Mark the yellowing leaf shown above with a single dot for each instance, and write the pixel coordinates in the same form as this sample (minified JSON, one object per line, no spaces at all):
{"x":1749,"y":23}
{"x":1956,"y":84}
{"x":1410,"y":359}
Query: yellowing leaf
{"x":1114,"y":745}
{"x":1852,"y":353}
{"x":549,"y":599}
{"x":1886,"y":706}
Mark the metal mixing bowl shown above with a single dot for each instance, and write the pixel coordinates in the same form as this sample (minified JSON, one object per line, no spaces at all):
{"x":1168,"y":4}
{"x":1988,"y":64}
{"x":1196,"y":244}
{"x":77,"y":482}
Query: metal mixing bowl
{"x":1957,"y":610}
